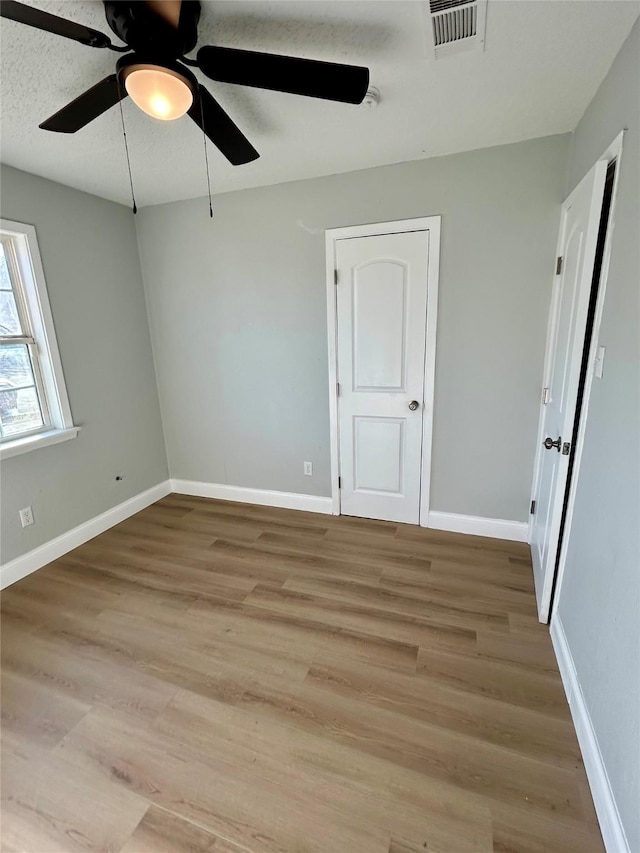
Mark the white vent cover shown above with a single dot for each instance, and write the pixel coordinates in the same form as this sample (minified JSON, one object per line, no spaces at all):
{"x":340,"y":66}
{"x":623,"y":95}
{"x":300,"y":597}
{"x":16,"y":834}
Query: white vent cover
{"x":457,"y":25}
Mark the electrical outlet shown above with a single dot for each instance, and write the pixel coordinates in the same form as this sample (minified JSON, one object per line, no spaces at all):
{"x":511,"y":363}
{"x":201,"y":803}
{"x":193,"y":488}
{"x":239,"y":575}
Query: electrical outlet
{"x":26,"y":516}
{"x":308,"y":469}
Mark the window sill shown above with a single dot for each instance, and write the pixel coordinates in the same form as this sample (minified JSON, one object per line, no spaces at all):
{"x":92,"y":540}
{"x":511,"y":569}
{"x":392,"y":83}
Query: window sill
{"x":35,"y":442}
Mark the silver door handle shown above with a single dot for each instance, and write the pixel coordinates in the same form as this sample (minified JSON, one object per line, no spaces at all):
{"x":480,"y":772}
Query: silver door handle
{"x":413,"y":405}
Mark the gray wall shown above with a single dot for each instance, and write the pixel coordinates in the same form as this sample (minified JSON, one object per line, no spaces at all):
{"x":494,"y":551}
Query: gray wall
{"x":599,"y":602}
{"x":91,"y":266}
{"x":238,"y":321}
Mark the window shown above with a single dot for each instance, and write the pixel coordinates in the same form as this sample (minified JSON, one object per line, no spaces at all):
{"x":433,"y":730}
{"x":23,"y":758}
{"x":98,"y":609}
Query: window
{"x":34,"y":408}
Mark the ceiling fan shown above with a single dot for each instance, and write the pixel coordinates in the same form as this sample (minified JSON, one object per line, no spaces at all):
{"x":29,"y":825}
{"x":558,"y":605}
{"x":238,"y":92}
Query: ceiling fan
{"x":153,"y":70}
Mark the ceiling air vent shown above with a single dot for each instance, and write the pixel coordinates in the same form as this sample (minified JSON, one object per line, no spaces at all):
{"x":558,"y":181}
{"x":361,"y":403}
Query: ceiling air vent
{"x":457,"y":25}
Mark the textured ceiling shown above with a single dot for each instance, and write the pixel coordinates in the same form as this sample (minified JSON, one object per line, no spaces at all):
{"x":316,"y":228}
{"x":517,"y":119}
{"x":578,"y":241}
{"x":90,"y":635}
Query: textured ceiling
{"x":543,"y":61}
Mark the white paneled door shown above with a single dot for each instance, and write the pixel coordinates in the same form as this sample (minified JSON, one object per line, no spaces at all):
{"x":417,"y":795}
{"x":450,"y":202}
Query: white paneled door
{"x":579,"y":224}
{"x":381,"y":304}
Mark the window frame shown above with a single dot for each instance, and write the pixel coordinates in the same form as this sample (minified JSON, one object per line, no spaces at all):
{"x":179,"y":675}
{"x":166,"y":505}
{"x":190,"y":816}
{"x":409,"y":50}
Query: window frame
{"x":26,"y":338}
{"x":32,"y":301}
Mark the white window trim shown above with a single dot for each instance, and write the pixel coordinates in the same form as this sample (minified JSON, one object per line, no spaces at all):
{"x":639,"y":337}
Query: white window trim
{"x":23,"y":444}
{"x":61,"y":427}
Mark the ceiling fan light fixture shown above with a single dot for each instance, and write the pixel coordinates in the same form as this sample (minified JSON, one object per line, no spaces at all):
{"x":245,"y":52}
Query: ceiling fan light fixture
{"x":160,"y":92}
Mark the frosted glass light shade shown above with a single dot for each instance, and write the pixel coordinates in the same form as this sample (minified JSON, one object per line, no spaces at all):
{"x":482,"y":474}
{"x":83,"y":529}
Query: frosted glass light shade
{"x":159,"y":92}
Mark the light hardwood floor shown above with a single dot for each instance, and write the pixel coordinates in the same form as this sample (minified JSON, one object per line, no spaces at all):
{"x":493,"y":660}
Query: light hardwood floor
{"x":210,"y":676}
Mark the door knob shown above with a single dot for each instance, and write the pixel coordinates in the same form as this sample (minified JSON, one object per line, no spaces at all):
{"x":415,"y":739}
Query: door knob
{"x":549,"y":443}
{"x":413,"y":405}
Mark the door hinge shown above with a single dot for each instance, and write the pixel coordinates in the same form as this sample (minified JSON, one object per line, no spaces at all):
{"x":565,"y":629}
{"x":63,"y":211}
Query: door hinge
{"x":532,"y":508}
{"x":335,"y":276}
{"x":559,"y":265}
{"x":337,"y":389}
{"x":566,"y":448}
{"x":545,"y":396}
{"x":339,"y":482}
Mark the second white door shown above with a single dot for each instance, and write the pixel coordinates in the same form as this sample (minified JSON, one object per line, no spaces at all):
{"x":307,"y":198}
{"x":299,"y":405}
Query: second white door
{"x":381,"y":305}
{"x":579,"y":225}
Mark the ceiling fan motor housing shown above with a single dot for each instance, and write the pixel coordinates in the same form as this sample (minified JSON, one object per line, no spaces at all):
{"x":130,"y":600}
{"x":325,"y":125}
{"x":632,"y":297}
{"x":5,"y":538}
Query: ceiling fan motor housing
{"x":149,"y":34}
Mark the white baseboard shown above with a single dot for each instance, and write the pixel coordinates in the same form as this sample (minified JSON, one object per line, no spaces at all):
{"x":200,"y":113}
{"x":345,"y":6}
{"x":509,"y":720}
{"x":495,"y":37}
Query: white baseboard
{"x":496,"y":528}
{"x":613,"y":834}
{"x":263,"y":497}
{"x":33,"y":560}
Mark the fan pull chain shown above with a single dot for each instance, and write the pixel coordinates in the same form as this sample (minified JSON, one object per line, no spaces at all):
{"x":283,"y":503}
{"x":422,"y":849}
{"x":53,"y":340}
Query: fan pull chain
{"x":206,"y":158}
{"x":126,"y":148}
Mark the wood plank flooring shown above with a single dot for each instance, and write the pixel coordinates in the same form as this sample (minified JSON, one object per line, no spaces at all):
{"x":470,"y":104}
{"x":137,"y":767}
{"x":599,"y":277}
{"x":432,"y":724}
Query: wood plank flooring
{"x":210,"y":676}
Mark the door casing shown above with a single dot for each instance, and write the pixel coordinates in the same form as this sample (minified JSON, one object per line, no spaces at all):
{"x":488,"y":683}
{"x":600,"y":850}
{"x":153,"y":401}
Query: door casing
{"x":431,"y":224}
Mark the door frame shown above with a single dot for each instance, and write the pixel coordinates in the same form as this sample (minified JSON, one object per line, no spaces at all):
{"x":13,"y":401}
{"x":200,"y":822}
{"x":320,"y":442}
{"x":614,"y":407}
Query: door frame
{"x":432,"y":225}
{"x":613,"y":152}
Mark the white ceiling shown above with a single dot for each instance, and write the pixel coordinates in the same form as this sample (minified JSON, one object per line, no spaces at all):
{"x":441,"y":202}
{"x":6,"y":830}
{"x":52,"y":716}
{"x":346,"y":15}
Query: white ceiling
{"x":543,"y":61}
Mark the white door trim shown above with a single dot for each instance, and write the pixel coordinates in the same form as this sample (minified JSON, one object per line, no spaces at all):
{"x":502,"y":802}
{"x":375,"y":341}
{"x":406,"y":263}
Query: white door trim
{"x":424,"y":223}
{"x":613,"y":152}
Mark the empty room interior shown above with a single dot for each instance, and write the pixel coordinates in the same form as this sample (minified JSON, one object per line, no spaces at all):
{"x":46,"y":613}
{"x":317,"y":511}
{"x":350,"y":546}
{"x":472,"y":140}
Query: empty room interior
{"x":320,"y":426}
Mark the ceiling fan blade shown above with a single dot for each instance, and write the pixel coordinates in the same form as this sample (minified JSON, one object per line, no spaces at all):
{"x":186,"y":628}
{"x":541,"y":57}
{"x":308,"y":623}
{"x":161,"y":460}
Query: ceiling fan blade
{"x":89,"y":105}
{"x":221,"y":130}
{"x":52,"y":24}
{"x":330,"y":80}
